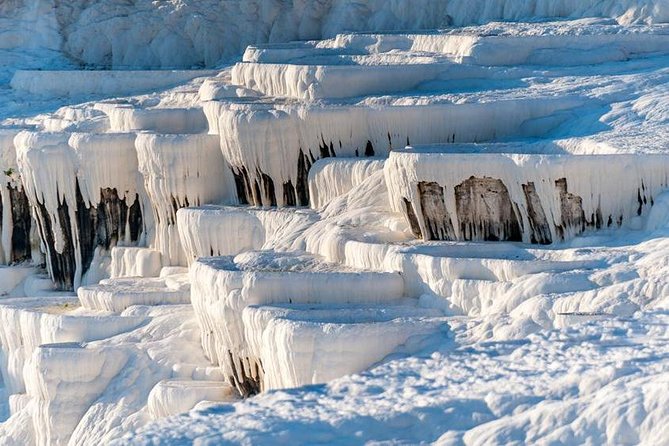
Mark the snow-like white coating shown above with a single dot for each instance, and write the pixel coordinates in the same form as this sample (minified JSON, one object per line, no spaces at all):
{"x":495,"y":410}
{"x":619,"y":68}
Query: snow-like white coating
{"x":76,"y":119}
{"x":297,"y":135}
{"x":299,"y":345}
{"x":106,"y":160}
{"x":117,"y":294}
{"x":165,"y":348}
{"x":220,"y":291}
{"x":229,"y":230}
{"x":126,"y":118}
{"x":367,"y":64}
{"x":332,"y":81}
{"x":47,"y":186}
{"x":191,"y":33}
{"x":219,"y":87}
{"x":332,"y":177}
{"x":586,"y":41}
{"x":62,"y":393}
{"x":591,"y":383}
{"x":135,"y":262}
{"x":316,"y":242}
{"x":13,"y":279}
{"x":171,"y":397}
{"x":28,"y":323}
{"x":179,"y":171}
{"x":72,"y":386}
{"x":219,"y":231}
{"x":99,"y":83}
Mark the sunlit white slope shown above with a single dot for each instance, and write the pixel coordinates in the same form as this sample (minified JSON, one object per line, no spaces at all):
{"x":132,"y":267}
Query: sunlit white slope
{"x":201,"y":33}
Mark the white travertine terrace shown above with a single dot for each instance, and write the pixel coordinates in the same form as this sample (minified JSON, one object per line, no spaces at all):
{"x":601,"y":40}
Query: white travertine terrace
{"x":222,"y":288}
{"x":271,"y":150}
{"x":117,"y":294}
{"x":178,"y":172}
{"x":555,"y":195}
{"x":268,"y":228}
{"x":85,"y":83}
{"x":172,"y":397}
{"x":332,"y":177}
{"x":230,"y":230}
{"x":299,"y":345}
{"x":126,"y":118}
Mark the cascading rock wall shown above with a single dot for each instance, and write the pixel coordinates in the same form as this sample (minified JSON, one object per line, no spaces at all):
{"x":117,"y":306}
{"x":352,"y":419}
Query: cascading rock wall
{"x":85,"y":194}
{"x":514,"y":197}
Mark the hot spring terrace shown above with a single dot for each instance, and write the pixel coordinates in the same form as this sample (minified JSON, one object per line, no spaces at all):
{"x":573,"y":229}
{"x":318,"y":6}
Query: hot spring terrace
{"x":312,"y":209}
{"x":529,"y":197}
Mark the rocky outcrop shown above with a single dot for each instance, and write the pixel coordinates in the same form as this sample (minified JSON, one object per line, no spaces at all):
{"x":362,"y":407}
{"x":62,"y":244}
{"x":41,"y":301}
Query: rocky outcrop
{"x":537,"y":199}
{"x":79,"y":203}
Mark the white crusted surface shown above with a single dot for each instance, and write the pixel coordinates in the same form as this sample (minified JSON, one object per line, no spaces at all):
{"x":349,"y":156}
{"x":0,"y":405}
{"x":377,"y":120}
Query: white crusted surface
{"x":117,"y":294}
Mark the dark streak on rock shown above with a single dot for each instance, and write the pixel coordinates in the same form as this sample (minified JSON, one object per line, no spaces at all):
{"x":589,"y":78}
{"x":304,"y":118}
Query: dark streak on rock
{"x":571,"y":210}
{"x":135,"y":220}
{"x":241,"y":185}
{"x":21,"y":225}
{"x":541,"y":232}
{"x":438,"y":222}
{"x":369,"y":149}
{"x":302,"y":186}
{"x":87,"y":227}
{"x":60,"y":264}
{"x":323,"y":148}
{"x":412,"y":219}
{"x":289,"y":197}
{"x":268,"y":188}
{"x":102,"y":226}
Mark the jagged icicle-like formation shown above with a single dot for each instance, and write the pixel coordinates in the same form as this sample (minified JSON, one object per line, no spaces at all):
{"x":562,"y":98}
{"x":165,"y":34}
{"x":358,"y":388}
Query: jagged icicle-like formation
{"x":329,"y":95}
{"x":181,"y":171}
{"x":272,"y":150}
{"x":223,"y":287}
{"x":531,"y":198}
{"x":331,"y":178}
{"x":85,"y":194}
{"x":224,"y":230}
{"x":219,"y":231}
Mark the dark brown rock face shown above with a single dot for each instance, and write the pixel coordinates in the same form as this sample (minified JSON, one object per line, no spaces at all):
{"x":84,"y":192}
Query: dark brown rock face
{"x":102,"y":226}
{"x":485,"y":211}
{"x":571,"y":211}
{"x":438,"y":222}
{"x":541,"y":231}
{"x":61,"y":264}
{"x":412,"y":219}
{"x":19,"y":207}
